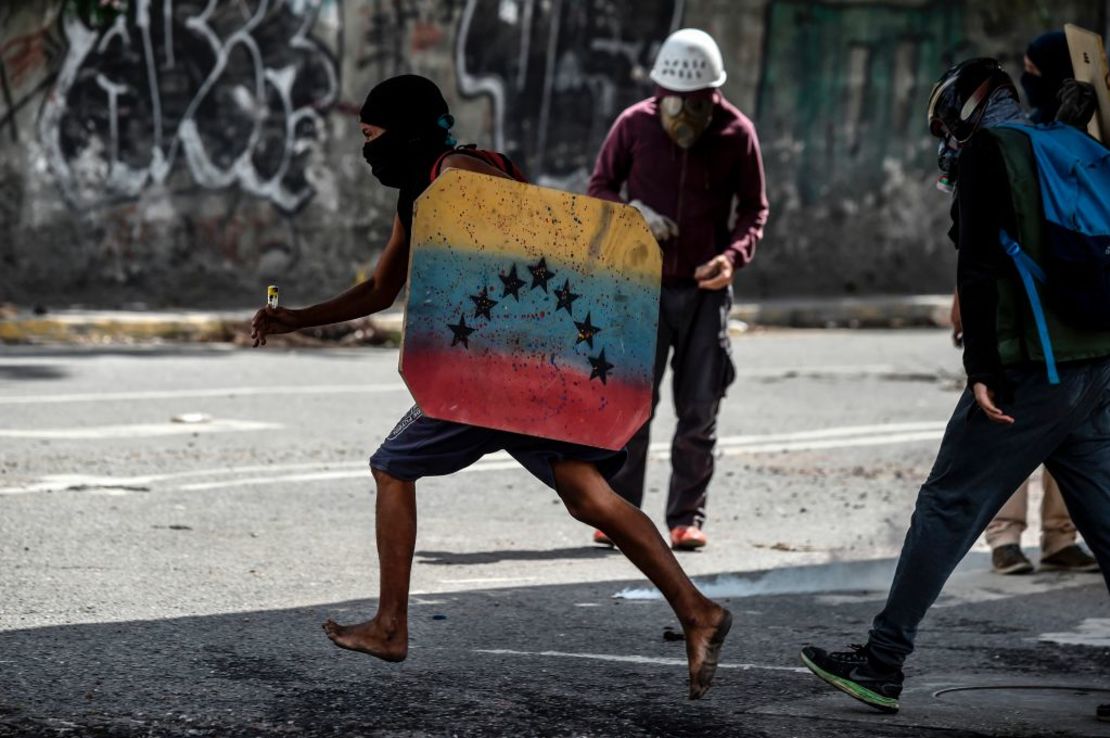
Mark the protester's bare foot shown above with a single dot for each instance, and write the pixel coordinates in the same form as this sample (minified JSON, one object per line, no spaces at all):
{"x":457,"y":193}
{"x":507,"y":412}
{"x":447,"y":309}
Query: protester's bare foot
{"x":703,"y":649}
{"x":372,"y":637}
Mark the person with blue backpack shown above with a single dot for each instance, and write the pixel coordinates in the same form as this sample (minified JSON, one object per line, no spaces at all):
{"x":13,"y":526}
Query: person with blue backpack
{"x":1033,"y":276}
{"x":1049,"y":85}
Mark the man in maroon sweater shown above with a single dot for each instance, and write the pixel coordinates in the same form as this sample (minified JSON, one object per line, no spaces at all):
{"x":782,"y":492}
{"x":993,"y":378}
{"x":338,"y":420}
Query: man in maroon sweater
{"x":690,"y":162}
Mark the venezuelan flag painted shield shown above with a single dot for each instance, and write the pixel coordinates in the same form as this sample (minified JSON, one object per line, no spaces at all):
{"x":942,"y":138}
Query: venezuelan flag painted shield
{"x":531,"y":310}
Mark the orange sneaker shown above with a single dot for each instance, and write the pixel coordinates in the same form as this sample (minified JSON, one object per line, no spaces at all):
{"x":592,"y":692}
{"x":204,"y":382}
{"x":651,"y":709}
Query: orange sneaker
{"x":602,"y":540}
{"x":687,"y":538}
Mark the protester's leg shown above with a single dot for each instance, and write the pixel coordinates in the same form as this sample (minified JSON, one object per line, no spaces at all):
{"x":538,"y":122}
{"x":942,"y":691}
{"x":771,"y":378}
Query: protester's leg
{"x":978,"y":467}
{"x":702,"y":371}
{"x":1081,"y":466}
{"x":417,"y":447}
{"x":590,"y":499}
{"x":386,"y":634}
{"x":692,"y":463}
{"x":1004,"y":535}
{"x":1057,"y":529}
{"x":1006,"y":527}
{"x":629,"y":481}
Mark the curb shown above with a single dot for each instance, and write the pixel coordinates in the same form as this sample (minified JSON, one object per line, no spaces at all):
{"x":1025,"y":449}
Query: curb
{"x":123,"y":326}
{"x":892,"y":311}
{"x":111,"y":325}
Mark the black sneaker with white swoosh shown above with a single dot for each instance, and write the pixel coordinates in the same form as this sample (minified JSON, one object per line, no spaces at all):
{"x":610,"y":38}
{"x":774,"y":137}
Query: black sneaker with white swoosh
{"x":856,"y":674}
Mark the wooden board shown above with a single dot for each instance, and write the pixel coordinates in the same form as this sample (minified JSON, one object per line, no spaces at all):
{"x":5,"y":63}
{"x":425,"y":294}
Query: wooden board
{"x":1088,"y":61}
{"x":531,"y":310}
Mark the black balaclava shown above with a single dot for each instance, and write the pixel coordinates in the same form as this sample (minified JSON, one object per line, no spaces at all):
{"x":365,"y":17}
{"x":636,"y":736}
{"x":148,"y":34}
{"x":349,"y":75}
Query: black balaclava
{"x":417,"y":125}
{"x":1049,"y":52}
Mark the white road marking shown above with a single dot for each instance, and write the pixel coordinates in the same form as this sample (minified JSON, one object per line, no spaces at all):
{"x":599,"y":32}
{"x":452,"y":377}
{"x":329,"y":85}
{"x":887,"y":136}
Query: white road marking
{"x":655,"y":660}
{"x":487,"y":580}
{"x":492,"y":462}
{"x":789,"y":372}
{"x":837,"y":432}
{"x":272,"y":474}
{"x":63,"y":482}
{"x":326,"y":476}
{"x":882,"y":440}
{"x":318,"y":389}
{"x":356,"y":389}
{"x":137,"y":430}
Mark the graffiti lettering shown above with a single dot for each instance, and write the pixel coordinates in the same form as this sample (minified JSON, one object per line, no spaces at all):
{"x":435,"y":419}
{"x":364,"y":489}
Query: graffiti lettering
{"x":26,"y":62}
{"x":565,"y":69}
{"x":393,"y":32}
{"x":22,"y":55}
{"x":236,"y":93}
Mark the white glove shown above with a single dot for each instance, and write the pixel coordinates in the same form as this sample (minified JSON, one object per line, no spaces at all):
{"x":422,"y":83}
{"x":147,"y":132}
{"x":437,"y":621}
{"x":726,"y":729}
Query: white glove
{"x":660,"y":226}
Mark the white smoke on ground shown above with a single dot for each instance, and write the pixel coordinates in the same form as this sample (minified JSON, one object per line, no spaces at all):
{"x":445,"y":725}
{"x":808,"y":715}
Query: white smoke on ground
{"x":841,"y":576}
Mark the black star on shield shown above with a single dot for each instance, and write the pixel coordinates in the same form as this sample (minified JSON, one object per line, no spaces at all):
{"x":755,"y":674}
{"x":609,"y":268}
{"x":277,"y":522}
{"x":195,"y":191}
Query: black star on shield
{"x":566,"y":297}
{"x":540,"y":274}
{"x":586,"y":331}
{"x":600,"y":367}
{"x":462,"y":332}
{"x":512,"y":283}
{"x":482,"y":304}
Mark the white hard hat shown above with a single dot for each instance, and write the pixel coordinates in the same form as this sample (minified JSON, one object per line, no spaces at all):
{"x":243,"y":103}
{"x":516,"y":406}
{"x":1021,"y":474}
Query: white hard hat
{"x":688,"y":60}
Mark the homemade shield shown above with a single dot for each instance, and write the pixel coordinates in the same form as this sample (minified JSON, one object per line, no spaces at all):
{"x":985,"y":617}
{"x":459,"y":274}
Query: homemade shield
{"x":1088,"y":61}
{"x":531,"y":310}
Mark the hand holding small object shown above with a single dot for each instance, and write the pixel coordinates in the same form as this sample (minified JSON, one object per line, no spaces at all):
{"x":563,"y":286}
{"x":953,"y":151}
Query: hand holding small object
{"x":272,"y":320}
{"x":714,"y":274}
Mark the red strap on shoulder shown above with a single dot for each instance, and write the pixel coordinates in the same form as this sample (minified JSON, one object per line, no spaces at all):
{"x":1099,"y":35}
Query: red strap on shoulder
{"x":493,"y":158}
{"x":439,"y":163}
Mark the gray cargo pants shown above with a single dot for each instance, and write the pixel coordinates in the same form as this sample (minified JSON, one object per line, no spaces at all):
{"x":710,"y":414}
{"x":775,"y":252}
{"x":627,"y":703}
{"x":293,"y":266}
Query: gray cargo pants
{"x":979,"y":466}
{"x":694,"y":323}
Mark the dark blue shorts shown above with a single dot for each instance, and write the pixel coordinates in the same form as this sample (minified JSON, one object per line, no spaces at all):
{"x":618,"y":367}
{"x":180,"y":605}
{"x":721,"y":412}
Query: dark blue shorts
{"x":423,"y":447}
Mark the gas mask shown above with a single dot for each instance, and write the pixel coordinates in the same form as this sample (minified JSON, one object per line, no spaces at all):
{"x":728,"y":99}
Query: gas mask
{"x":948,"y":161}
{"x":685,"y":118}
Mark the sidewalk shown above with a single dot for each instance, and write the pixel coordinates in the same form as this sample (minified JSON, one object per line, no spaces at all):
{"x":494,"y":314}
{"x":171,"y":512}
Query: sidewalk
{"x":130,"y":326}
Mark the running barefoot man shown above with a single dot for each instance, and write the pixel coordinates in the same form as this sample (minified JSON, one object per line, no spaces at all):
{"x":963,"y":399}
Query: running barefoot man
{"x":406,"y":125}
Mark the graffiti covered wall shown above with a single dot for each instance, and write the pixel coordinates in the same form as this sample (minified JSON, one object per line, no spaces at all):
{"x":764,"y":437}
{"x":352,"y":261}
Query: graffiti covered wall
{"x":188,"y":152}
{"x":167,"y":154}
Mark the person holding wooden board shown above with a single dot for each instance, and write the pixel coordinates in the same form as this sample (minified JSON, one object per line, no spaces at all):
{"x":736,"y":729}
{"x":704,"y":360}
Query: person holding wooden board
{"x":405,"y":122}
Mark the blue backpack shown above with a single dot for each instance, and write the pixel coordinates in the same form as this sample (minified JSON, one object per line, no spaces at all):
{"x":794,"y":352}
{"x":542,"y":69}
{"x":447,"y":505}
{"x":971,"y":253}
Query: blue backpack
{"x":1073,"y":171}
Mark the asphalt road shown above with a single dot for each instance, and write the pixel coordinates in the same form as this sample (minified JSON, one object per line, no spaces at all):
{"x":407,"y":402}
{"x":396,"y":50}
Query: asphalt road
{"x":169,"y":578}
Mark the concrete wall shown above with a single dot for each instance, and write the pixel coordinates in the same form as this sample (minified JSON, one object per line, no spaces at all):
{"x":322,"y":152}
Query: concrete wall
{"x":191,"y":152}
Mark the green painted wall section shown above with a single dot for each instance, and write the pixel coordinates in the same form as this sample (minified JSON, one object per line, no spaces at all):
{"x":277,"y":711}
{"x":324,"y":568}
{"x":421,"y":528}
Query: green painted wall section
{"x":851,"y":82}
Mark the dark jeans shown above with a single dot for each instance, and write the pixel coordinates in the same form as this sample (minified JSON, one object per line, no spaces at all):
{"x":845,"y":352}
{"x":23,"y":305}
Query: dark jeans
{"x":694,"y":324}
{"x":980,"y":464}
